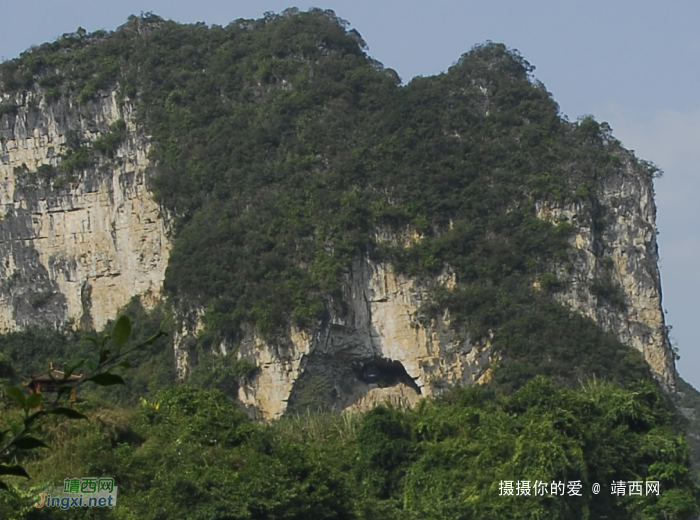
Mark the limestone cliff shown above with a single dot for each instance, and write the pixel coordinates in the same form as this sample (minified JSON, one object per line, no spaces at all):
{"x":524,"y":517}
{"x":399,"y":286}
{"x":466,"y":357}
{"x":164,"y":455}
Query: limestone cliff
{"x":381,"y":328}
{"x":78,"y":249}
{"x":373,"y":336}
{"x":614,"y":275}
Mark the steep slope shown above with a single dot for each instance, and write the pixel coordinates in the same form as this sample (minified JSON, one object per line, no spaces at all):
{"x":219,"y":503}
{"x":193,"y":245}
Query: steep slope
{"x":344,"y":238}
{"x":81,"y":235}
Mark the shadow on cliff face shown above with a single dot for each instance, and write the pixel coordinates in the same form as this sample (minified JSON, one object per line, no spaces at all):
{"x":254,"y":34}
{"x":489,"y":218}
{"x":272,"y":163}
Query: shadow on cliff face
{"x":334,"y":382}
{"x":385,"y":372}
{"x":34,"y":297}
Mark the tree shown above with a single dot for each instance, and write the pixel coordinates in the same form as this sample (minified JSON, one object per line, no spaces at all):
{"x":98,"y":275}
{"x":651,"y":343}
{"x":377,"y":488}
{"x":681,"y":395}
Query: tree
{"x":100,"y":372}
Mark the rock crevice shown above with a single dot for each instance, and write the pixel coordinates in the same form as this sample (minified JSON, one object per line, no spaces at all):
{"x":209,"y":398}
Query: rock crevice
{"x":376,"y":325}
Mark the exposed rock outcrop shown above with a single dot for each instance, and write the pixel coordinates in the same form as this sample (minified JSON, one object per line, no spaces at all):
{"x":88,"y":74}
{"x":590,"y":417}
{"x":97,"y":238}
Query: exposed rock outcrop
{"x":81,"y":248}
{"x":615,"y":276}
{"x":612,"y":277}
{"x":399,"y":396}
{"x":376,"y":330}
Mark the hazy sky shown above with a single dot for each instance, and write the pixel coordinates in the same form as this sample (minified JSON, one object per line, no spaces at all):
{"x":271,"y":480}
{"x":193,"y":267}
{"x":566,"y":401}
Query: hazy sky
{"x":635,"y":64}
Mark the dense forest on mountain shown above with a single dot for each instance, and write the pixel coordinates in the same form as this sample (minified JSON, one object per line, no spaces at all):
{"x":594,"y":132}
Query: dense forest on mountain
{"x":281,"y":150}
{"x":190,"y":454}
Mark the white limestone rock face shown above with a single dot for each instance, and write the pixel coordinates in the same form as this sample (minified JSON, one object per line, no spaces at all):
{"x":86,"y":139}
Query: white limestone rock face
{"x":614,"y":246}
{"x":371,"y":349}
{"x":267,"y":393}
{"x":81,"y":250}
{"x":399,"y":396}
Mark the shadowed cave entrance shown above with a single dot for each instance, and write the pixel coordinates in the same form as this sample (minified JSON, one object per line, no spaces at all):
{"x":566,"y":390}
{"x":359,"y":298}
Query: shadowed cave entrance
{"x":385,"y":372}
{"x":332,"y":383}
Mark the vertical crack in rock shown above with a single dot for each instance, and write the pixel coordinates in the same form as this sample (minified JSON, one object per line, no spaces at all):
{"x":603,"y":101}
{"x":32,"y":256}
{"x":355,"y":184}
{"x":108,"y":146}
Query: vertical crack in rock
{"x":373,"y":324}
{"x":86,"y":302}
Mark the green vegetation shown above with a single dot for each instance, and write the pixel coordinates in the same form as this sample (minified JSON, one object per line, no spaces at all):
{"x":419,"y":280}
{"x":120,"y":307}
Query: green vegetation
{"x":16,"y":435}
{"x":78,"y":156}
{"x":687,"y":401}
{"x":28,"y":352}
{"x":604,"y":289}
{"x":7,"y":108}
{"x":189,"y":454}
{"x":281,"y":149}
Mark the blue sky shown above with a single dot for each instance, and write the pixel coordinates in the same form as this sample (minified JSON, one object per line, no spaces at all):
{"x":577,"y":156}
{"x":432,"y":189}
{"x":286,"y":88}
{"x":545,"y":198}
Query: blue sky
{"x":635,"y":64}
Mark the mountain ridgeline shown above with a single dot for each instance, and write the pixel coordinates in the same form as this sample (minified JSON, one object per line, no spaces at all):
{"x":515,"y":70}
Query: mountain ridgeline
{"x":326,"y":238}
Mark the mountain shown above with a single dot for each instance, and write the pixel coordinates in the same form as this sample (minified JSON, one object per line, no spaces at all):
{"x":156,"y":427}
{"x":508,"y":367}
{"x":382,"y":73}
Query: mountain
{"x":324,"y":237}
{"x":302,"y":209}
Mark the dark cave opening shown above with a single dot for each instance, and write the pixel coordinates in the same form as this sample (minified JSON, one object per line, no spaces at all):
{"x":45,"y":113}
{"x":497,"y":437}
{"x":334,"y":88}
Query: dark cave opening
{"x":386,"y":372}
